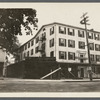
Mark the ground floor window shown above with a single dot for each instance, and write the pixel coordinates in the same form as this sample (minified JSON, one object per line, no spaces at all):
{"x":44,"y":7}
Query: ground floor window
{"x":62,"y":55}
{"x":71,"y":56}
{"x":98,"y":58}
{"x":92,"y":57}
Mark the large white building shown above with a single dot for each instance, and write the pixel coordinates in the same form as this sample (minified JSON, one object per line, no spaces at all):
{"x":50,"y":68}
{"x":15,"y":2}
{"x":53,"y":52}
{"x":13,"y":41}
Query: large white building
{"x":68,"y":45}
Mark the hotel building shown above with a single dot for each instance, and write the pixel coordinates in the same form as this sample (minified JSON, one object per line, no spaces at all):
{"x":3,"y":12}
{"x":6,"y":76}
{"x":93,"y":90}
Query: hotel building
{"x":68,"y":45}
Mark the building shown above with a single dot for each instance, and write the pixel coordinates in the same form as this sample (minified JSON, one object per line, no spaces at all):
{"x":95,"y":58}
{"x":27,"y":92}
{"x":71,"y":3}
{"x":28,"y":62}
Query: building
{"x":68,"y":45}
{"x":6,"y":59}
{"x":2,"y":59}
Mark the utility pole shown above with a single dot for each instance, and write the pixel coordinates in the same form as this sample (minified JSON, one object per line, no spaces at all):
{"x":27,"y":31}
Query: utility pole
{"x":84,"y":22}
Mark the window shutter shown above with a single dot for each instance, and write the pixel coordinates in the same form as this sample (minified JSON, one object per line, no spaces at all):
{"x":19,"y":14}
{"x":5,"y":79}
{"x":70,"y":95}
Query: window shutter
{"x":65,"y":55}
{"x":73,"y":32}
{"x":68,"y":30}
{"x":69,"y":55}
{"x":53,"y":29}
{"x":59,"y":29}
{"x":65,"y":30}
{"x":74,"y":56}
{"x":83,"y":33}
{"x":65,"y":42}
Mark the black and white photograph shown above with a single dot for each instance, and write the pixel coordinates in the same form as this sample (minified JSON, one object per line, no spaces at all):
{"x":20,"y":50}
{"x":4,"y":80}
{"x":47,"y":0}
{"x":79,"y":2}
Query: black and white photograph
{"x":49,"y":47}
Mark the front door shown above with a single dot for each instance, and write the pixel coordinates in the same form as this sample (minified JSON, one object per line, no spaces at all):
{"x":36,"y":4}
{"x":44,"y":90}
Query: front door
{"x":82,"y":72}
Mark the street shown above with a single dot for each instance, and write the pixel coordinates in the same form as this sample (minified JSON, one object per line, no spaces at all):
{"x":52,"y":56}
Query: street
{"x":29,"y":85}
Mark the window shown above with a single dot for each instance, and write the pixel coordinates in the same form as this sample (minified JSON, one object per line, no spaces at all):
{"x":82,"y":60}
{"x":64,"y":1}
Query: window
{"x":91,"y":57}
{"x":52,"y":54}
{"x":62,"y":30}
{"x":71,"y":56}
{"x":51,"y":30}
{"x":44,"y":29}
{"x":62,"y":55}
{"x":44,"y":36}
{"x":81,"y":58}
{"x":80,"y":33}
{"x":71,"y":31}
{"x":98,"y":58}
{"x":90,"y":35}
{"x":97,"y":47}
{"x":37,"y":39}
{"x":25,"y":46}
{"x":28,"y":44}
{"x":28,"y":54}
{"x":36,"y":49}
{"x":32,"y":43}
{"x":96,"y":36}
{"x":81,"y":45}
{"x":71,"y":43}
{"x":91,"y":45}
{"x":52,"y":42}
{"x":31,"y":51}
{"x":62,"y":42}
{"x":43,"y":46}
{"x":24,"y":55}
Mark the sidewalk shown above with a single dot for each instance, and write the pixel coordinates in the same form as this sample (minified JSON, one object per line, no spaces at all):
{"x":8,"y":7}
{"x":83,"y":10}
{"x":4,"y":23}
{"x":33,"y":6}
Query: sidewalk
{"x":48,"y":80}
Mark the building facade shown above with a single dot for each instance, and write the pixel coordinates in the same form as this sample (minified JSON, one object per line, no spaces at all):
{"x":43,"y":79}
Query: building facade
{"x":68,"y":45}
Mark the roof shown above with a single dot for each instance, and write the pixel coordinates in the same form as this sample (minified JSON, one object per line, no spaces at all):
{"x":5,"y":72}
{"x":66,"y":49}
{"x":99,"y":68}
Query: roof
{"x":58,"y":24}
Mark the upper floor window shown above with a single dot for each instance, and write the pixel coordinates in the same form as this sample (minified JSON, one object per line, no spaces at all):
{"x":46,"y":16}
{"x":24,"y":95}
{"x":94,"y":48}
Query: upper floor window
{"x":98,"y":58}
{"x":36,"y":49}
{"x":81,"y":58}
{"x":43,"y":46}
{"x":44,"y":29}
{"x":52,"y":42}
{"x":71,"y":32}
{"x":71,"y":43}
{"x":62,"y":42}
{"x":62,"y":30}
{"x":90,"y":35}
{"x":43,"y":36}
{"x":28,"y":44}
{"x":91,"y":57}
{"x":71,"y":56}
{"x":32,"y":43}
{"x":80,"y":33}
{"x":25,"y":46}
{"x":91,"y":45}
{"x":52,"y":54}
{"x":62,"y":55}
{"x":28,"y":54}
{"x":97,"y":47}
{"x":37,"y":39}
{"x":96,"y":36}
{"x":81,"y":45}
{"x":52,"y":30}
{"x":24,"y":55}
{"x":31,"y":51}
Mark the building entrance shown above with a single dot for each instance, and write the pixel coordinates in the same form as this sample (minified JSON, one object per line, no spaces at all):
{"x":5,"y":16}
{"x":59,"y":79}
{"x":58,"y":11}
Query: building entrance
{"x":82,"y":72}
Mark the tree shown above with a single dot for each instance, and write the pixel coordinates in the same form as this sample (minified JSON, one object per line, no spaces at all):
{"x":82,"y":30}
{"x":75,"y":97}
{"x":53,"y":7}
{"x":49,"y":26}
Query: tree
{"x":11,"y":23}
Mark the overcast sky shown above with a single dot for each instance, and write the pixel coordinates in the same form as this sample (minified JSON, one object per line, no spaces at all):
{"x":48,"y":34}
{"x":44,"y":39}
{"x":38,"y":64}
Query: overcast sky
{"x":67,"y":13}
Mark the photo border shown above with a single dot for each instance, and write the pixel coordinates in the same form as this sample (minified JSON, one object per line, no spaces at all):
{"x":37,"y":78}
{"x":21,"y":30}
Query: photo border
{"x":24,"y":96}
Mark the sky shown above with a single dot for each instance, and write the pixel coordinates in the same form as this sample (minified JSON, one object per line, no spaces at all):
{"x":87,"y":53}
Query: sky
{"x":66,"y":13}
